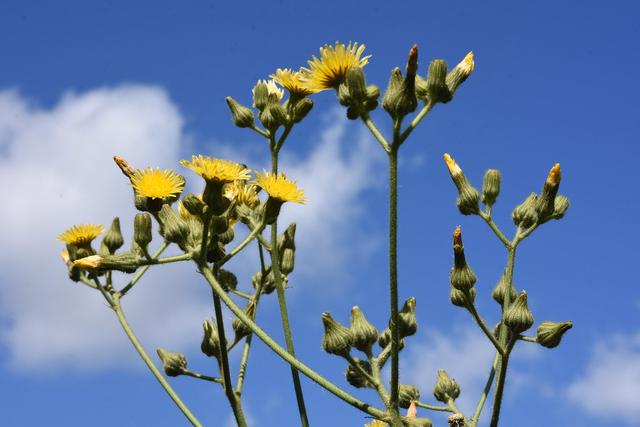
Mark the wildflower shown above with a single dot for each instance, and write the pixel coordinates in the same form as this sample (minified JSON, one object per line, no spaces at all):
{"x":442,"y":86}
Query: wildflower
{"x":292,"y":81}
{"x":216,"y":170}
{"x":330,"y":70}
{"x":81,"y":234}
{"x":280,"y":188}
{"x":157,"y":184}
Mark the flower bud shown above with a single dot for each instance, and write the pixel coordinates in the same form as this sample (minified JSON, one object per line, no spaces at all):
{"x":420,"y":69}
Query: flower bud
{"x":127,"y":262}
{"x":242,"y":116}
{"x":300,"y":109}
{"x":215,"y":251}
{"x":357,"y":86}
{"x":173,"y":228}
{"x":547,"y":198}
{"x":337,"y":339}
{"x":518,"y":317}
{"x":560,"y":206}
{"x":406,"y":394}
{"x":468,"y":197}
{"x":456,"y":420}
{"x":400,"y":98}
{"x":113,"y":239}
{"x":213,"y":197}
{"x":435,"y":86}
{"x":142,"y":230}
{"x":193,"y":204}
{"x":227,"y":236}
{"x":355,"y":378}
{"x":272,"y":116}
{"x":460,"y":72}
{"x":219,"y":224}
{"x":239,"y":327}
{"x":267,"y":281}
{"x":407,"y":323}
{"x":461,"y":276}
{"x":174,"y":364}
{"x":210,"y":341}
{"x":525,"y":214}
{"x":227,"y":279}
{"x":363,"y":333}
{"x":490,"y":186}
{"x":286,"y":248}
{"x":446,"y":387}
{"x":549,"y":334}
{"x":384,"y":340}
{"x":501,"y":289}
{"x":260,"y":95}
{"x":462,"y":298}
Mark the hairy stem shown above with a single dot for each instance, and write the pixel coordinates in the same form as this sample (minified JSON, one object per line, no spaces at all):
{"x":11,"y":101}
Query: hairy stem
{"x":485,"y":392}
{"x":143,"y":270}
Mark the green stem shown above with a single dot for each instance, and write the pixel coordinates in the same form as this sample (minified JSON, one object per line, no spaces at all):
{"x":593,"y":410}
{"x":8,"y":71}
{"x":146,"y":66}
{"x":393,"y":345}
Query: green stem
{"x":145,"y":357}
{"x":375,"y":371}
{"x":374,"y":381}
{"x":433,"y":407}
{"x":485,"y":392}
{"x":143,"y":270}
{"x":87,"y":282}
{"x":282,"y":301}
{"x":472,"y":309}
{"x":257,"y":230}
{"x":451,"y":404}
{"x":167,"y":260}
{"x":415,"y":122}
{"x":528,"y":339}
{"x":201,"y":376}
{"x":487,"y":218}
{"x":375,"y":132}
{"x":502,"y":375}
{"x":393,"y":280}
{"x":314,"y":376}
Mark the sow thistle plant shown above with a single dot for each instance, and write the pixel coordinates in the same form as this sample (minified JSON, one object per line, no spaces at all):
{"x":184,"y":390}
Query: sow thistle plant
{"x":204,"y":228}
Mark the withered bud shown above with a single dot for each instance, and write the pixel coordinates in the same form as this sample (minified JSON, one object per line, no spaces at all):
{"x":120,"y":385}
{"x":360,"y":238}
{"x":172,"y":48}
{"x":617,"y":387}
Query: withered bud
{"x":355,"y":377}
{"x":210,"y":341}
{"x":461,"y":276}
{"x":518,"y":317}
{"x":239,"y":327}
{"x":446,"y":387}
{"x":407,"y":322}
{"x":407,"y":394}
{"x":502,"y":288}
{"x":174,"y":364}
{"x":549,"y":334}
{"x":363,"y":333}
{"x":526,"y":214}
{"x":468,"y":197}
{"x":337,"y":339}
{"x":124,"y":166}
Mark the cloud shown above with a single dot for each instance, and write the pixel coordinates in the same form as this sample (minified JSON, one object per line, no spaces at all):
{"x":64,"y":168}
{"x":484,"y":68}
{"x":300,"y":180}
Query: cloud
{"x":610,"y":386}
{"x":57,"y":169}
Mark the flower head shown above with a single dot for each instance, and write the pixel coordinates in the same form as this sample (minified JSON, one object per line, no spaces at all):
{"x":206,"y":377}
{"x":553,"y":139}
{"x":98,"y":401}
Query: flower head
{"x":157,"y":184}
{"x":81,"y":234}
{"x":216,"y":170}
{"x":243,"y":194}
{"x":272,"y":90}
{"x":331,"y":69}
{"x":279,"y":187}
{"x":292,"y":81}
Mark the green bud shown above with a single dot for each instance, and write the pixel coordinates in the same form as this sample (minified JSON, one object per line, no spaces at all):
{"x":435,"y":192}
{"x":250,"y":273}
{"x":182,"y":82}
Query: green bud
{"x":460,"y":72}
{"x":300,"y":109}
{"x":147,"y":204}
{"x":227,"y":236}
{"x":193,"y":204}
{"x":227,"y":279}
{"x":373,"y":93}
{"x":549,"y":334}
{"x":462,"y":277}
{"x":271,"y":210}
{"x":242,"y":116}
{"x":344,"y":96}
{"x":260,"y":95}
{"x":436,"y":86}
{"x":174,"y":364}
{"x":456,"y":420}
{"x":468,"y":197}
{"x":272,"y":116}
{"x":173,"y":228}
{"x":384,"y":340}
{"x":213,"y":197}
{"x":501,"y":289}
{"x":421,"y":88}
{"x":400,"y":98}
{"x":518,"y":317}
{"x":407,"y":323}
{"x":363,"y":333}
{"x":337,"y":339}
{"x":490,"y":186}
{"x":142,"y":230}
{"x":355,"y":378}
{"x":460,"y":298}
{"x":267,"y":281}
{"x":393,"y":93}
{"x":215,"y":251}
{"x":446,"y":387}
{"x":219,"y":224}
{"x":286,"y":248}
{"x":113,"y":239}
{"x":406,"y":394}
{"x":560,"y":206}
{"x":525,"y":214}
{"x":239,"y":327}
{"x":357,"y":85}
{"x":210,"y":341}
{"x":546,"y":201}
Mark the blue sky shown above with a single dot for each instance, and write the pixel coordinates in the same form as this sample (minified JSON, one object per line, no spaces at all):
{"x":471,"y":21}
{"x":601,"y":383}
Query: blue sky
{"x":554,"y":82}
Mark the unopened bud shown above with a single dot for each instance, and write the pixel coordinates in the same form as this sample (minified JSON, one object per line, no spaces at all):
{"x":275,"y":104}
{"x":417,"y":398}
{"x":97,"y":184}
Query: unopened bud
{"x":407,"y":322}
{"x":242,"y":116}
{"x":435,"y":87}
{"x":525,"y":214}
{"x":490,"y":186}
{"x":549,"y":334}
{"x":260,"y":95}
{"x":546,"y":201}
{"x":174,"y":364}
{"x":265,"y":282}
{"x":210,"y":341}
{"x":113,"y":239}
{"x":518,"y":317}
{"x":239,"y":327}
{"x":219,"y":224}
{"x":357,"y":86}
{"x":460,"y":72}
{"x":384,"y":340}
{"x":142,"y":230}
{"x":446,"y":388}
{"x":461,"y":276}
{"x":355,"y":377}
{"x":406,"y":394}
{"x":227,"y":236}
{"x":227,"y":279}
{"x":456,"y":420}
{"x":193,"y":204}
{"x":337,"y":339}
{"x":363,"y":333}
{"x":127,"y":262}
{"x":560,"y":207}
{"x":462,"y":298}
{"x":502,"y":288}
{"x":173,"y":228}
{"x":272,"y":116}
{"x":400,"y":98}
{"x":468,"y":197}
{"x":125,"y":167}
{"x":300,"y":109}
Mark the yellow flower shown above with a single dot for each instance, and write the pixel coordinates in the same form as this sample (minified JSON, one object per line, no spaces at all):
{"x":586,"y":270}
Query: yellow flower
{"x":331,"y":69}
{"x":554,"y":175}
{"x":280,"y":188}
{"x":157,"y":184}
{"x":292,"y":81}
{"x":376,"y":423}
{"x":216,"y":170}
{"x":81,"y":234}
{"x":453,"y":167}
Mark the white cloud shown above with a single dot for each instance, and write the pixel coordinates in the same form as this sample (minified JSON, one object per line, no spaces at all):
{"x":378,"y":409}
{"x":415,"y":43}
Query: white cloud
{"x":57,"y":169}
{"x":610,"y":387}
